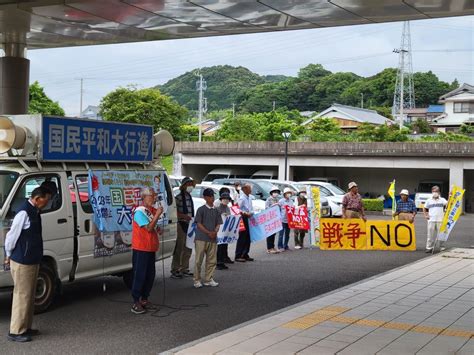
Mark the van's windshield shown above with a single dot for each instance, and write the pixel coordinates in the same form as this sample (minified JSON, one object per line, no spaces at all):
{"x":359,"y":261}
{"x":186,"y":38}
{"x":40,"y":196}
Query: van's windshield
{"x":7,"y":180}
{"x":212,"y":177}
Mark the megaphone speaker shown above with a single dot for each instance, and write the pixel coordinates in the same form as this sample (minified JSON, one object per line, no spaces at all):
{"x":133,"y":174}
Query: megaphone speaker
{"x":164,"y":143}
{"x":11,"y":136}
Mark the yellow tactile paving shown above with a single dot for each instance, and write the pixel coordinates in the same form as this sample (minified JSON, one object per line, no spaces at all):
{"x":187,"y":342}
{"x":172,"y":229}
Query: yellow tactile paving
{"x":333,"y":314}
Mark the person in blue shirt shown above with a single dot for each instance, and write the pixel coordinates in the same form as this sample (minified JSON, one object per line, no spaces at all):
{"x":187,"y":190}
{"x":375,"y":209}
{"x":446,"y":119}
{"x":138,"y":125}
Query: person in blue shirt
{"x":406,"y":208}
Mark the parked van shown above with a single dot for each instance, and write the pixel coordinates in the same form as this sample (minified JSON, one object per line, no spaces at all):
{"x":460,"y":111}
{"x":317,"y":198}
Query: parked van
{"x":225,"y":173}
{"x":265,"y":175}
{"x":35,"y":149}
{"x":423,"y":192}
{"x":330,"y":180}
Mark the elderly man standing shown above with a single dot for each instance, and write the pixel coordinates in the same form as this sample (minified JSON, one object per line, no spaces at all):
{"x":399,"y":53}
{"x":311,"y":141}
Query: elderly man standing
{"x":246,"y":210}
{"x":406,"y":208}
{"x":185,"y":210}
{"x":144,"y":247}
{"x":434,"y":213}
{"x":24,"y":252}
{"x":352,"y":206}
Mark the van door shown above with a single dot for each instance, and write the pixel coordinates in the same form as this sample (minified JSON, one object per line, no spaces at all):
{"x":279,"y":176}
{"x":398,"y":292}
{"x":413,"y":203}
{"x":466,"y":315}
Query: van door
{"x":92,"y":246}
{"x":56,"y":217}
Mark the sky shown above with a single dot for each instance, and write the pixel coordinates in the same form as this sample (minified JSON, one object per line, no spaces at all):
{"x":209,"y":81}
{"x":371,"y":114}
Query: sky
{"x":444,"y":46}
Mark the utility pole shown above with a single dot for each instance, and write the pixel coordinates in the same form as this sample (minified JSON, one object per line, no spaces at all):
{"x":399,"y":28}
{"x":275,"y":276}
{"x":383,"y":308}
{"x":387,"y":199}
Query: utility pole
{"x":361,"y":100}
{"x":81,"y":93}
{"x":201,"y":85}
{"x":274,"y":105}
{"x":233,"y":110}
{"x":404,"y":95}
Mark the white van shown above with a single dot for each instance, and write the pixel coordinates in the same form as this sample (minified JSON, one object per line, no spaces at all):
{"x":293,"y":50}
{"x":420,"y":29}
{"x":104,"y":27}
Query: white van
{"x":70,"y":237}
{"x":265,"y":175}
{"x":225,"y":173}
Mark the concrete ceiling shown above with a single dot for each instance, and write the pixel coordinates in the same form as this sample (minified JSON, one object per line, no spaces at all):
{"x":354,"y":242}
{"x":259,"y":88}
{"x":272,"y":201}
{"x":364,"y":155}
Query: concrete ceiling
{"x":53,"y":23}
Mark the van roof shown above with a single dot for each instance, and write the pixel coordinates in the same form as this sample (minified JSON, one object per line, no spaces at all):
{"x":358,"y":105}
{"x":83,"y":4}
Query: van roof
{"x":265,"y":172}
{"x":226,"y":170}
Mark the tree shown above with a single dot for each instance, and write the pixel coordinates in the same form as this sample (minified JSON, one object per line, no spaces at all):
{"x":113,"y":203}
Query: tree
{"x":41,"y":103}
{"x":329,"y":88}
{"x":367,"y":132}
{"x":267,"y":126}
{"x":466,"y":129}
{"x":421,"y":126}
{"x":325,"y":130}
{"x":224,"y":85}
{"x":428,"y":88}
{"x":144,"y":106}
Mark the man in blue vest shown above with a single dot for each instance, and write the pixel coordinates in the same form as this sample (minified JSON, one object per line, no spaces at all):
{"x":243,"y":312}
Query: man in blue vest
{"x":24,"y":251}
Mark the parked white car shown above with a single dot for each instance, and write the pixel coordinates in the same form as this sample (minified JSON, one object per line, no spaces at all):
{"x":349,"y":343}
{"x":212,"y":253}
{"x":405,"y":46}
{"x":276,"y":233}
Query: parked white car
{"x":333,"y":193}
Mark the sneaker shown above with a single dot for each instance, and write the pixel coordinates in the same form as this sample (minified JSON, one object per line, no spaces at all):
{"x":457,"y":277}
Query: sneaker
{"x":228,"y":261}
{"x":297,"y":247}
{"x":429,"y":250}
{"x":20,"y":338}
{"x":197,"y":284}
{"x":137,"y":308}
{"x":187,"y":273}
{"x":222,"y":267}
{"x":248,"y":258}
{"x":211,"y":283}
{"x":148,"y":305}
{"x":281,"y":250}
{"x":176,"y":275}
{"x":272,"y":251}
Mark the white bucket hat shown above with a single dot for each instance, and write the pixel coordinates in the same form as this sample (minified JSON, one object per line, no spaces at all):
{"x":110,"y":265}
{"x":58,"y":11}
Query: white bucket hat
{"x":404,"y":192}
{"x":287,"y":190}
{"x":352,"y":184}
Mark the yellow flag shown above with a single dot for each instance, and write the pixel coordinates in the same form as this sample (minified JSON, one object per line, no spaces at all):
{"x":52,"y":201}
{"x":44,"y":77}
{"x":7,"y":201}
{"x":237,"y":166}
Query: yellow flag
{"x":453,"y":211}
{"x":391,"y":193}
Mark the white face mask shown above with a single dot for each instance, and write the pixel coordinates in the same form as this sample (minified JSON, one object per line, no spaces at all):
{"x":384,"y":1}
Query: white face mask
{"x":225,"y":202}
{"x":274,"y":194}
{"x":303,"y":195}
{"x":189,"y":189}
{"x":435,"y":194}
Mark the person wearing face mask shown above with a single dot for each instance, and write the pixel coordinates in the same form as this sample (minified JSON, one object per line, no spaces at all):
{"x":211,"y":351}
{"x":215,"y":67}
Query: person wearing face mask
{"x":434,"y":212}
{"x":222,"y":206}
{"x":238,"y":188}
{"x":271,"y":201}
{"x":185,"y":211}
{"x":300,"y":233}
{"x":284,"y":235}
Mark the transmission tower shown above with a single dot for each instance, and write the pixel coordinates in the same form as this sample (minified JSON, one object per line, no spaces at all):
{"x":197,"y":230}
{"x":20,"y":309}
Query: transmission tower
{"x":404,"y":96}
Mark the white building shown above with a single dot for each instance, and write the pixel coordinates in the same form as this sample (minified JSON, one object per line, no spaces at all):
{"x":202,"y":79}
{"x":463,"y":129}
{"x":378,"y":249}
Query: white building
{"x":91,"y":112}
{"x":458,"y":109}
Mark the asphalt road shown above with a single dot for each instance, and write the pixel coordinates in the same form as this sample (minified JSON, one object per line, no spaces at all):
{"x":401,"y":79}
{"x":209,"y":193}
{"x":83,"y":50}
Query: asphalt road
{"x":88,"y":320}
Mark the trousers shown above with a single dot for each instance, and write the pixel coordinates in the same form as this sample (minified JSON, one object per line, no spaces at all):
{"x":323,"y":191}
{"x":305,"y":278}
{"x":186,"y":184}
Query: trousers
{"x":181,"y":254}
{"x":208,"y":250}
{"x":24,"y":281}
{"x":143,"y":274}
{"x":242,"y":249}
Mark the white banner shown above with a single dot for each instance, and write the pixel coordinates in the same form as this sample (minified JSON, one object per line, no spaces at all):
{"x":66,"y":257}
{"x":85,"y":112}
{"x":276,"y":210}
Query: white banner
{"x":228,"y":232}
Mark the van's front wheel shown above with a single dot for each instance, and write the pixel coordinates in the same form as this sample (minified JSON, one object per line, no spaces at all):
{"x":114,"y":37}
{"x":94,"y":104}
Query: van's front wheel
{"x":46,"y":287}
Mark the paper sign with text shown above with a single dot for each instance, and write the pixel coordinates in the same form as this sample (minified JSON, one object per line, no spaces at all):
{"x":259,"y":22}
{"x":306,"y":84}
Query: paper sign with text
{"x":265,"y":223}
{"x":297,"y":217}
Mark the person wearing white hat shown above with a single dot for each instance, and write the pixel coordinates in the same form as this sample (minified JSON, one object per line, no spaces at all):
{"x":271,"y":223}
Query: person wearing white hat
{"x":271,"y":201}
{"x":352,"y":205}
{"x":284,"y":236}
{"x":406,"y":208}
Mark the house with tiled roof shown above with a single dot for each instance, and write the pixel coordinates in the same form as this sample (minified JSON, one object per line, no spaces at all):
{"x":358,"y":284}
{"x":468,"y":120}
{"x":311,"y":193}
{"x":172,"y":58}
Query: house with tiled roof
{"x":349,"y":117}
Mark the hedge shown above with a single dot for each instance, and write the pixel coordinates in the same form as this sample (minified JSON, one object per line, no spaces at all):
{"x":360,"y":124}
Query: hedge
{"x":373,"y":204}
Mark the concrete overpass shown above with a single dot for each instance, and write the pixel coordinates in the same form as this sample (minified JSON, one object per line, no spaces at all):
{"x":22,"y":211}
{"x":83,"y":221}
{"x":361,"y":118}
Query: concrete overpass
{"x":373,"y":165}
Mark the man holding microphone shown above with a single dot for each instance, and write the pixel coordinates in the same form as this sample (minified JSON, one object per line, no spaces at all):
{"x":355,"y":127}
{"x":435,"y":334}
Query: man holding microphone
{"x":145,"y":244}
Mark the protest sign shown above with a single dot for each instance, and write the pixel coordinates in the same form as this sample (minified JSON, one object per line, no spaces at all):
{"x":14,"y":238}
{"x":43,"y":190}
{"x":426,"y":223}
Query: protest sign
{"x":315,"y":208}
{"x":297,"y":217}
{"x":190,"y":234}
{"x":235,"y":210}
{"x":355,"y":234}
{"x":228,"y":231}
{"x":111,"y":243}
{"x":265,"y":223}
{"x":453,"y":211}
{"x":115,"y":194}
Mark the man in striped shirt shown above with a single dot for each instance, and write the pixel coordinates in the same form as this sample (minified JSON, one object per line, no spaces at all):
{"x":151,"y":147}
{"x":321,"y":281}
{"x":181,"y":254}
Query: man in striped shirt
{"x":406,"y":208}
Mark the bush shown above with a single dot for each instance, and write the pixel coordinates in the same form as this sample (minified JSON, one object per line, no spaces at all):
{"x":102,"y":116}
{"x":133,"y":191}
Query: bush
{"x":373,"y":204}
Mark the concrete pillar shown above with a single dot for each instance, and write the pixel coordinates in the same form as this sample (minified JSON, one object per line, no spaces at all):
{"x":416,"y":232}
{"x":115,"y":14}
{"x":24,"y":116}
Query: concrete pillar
{"x":281,"y":169}
{"x":14,"y":85}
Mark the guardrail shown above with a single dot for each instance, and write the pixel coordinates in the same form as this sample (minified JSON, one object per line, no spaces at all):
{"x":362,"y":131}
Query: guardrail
{"x":448,"y":149}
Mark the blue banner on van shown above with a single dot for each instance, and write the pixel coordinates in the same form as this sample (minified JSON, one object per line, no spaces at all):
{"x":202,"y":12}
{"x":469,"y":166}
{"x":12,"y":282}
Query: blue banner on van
{"x":69,"y":139}
{"x":114,"y":196}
